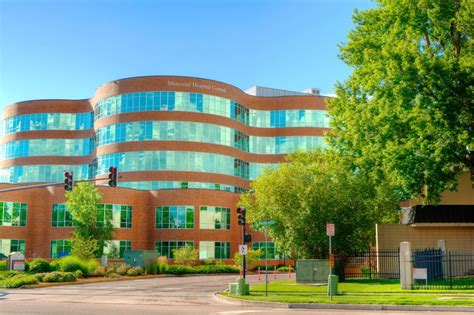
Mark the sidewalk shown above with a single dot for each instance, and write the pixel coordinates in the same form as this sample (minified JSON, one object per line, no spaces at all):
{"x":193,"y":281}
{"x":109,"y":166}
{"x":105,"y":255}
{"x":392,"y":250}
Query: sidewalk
{"x":368,"y":307}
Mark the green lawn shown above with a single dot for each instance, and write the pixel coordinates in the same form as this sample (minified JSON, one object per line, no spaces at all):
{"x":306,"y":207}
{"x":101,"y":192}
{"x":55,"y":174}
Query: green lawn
{"x":360,"y":292}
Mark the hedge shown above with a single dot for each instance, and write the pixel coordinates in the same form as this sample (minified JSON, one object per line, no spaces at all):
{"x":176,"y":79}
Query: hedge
{"x":20,"y":280}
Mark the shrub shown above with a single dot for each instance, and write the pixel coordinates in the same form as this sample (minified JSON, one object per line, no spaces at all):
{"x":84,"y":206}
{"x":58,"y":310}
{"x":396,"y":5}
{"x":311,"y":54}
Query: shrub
{"x":152,"y":269}
{"x":58,"y":276}
{"x":209,"y":262}
{"x":3,"y":265}
{"x":123,"y":268}
{"x":91,"y":265}
{"x":40,"y":276}
{"x":366,"y":271}
{"x":113,"y":275}
{"x":39,"y":265}
{"x":185,"y":255}
{"x":162,"y":264}
{"x":78,"y":274}
{"x":72,"y":263}
{"x":179,"y":269}
{"x":55,"y":265}
{"x":20,"y":280}
{"x":9,"y":274}
{"x":135,"y":271}
{"x":285,"y":268}
{"x":110,"y":269}
{"x":99,"y":271}
{"x":216,"y":269}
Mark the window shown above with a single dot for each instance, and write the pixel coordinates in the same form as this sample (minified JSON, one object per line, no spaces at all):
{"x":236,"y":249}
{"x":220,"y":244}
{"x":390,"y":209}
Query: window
{"x":116,"y":249}
{"x":272,"y":252}
{"x":8,"y":246}
{"x":60,"y":248}
{"x":216,"y":218}
{"x":12,"y":213}
{"x":119,"y":215}
{"x":174,"y":217}
{"x":210,"y":104}
{"x":61,"y":217}
{"x":214,"y":250}
{"x":165,"y":248}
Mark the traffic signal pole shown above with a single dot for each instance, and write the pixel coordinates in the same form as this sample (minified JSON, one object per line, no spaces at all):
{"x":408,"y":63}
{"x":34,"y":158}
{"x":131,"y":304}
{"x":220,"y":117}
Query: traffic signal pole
{"x":50,"y":185}
{"x":243,"y":256}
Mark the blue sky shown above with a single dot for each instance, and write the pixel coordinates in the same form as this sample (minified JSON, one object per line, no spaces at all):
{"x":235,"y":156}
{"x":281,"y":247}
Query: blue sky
{"x":65,"y":49}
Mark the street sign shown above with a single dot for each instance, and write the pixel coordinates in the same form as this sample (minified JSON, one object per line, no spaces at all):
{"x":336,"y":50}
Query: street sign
{"x":269,"y":222}
{"x":330,"y":231}
{"x":243,"y":249}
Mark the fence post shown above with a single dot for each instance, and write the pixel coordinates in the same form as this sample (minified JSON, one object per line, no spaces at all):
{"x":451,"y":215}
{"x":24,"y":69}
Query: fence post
{"x":370,"y":265}
{"x":406,"y":266}
{"x":442,"y":248}
{"x":450,"y":271}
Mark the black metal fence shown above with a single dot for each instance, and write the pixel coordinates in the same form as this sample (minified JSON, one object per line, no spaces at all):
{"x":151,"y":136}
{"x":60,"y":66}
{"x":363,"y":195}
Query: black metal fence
{"x":444,"y":270}
{"x":372,"y":264}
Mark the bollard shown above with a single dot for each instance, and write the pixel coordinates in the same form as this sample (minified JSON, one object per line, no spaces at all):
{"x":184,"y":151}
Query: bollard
{"x":274,"y":272}
{"x":258,"y":273}
{"x":289,"y":272}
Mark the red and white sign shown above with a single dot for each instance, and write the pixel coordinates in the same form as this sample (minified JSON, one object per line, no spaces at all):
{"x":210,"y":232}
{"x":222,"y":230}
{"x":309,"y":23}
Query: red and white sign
{"x":420,"y":273}
{"x":330,"y":231}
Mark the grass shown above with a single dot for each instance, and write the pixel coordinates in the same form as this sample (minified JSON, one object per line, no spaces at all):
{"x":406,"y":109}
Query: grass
{"x":359,"y":291}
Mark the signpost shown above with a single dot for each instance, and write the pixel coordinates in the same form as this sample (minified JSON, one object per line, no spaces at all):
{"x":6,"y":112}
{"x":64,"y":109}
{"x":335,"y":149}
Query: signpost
{"x":421,"y":273}
{"x":266,"y":223}
{"x":330,"y":231}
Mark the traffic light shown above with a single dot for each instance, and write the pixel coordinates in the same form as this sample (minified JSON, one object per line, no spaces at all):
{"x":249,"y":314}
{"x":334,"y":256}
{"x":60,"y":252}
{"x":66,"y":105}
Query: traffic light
{"x":68,"y":181}
{"x":113,"y":176}
{"x":241,"y":215}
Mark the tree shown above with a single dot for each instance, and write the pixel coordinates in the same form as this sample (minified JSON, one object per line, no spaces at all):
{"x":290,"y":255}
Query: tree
{"x":84,"y":248}
{"x":405,"y":114}
{"x":315,"y":188}
{"x":82,"y":203}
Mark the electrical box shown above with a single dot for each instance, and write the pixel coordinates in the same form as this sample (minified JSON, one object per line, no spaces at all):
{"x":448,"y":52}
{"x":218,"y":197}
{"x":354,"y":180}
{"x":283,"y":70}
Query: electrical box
{"x":316,"y":270}
{"x":140,"y":258}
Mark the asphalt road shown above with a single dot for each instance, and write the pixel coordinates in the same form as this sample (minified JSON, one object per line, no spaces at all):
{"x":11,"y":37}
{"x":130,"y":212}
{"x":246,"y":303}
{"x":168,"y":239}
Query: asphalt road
{"x":167,"y":295}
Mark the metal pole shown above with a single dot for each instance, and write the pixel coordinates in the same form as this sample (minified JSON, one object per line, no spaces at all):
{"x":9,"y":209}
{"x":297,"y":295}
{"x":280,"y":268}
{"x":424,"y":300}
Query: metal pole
{"x":50,"y":184}
{"x":266,"y":260}
{"x":243,"y":256}
{"x":330,"y":253}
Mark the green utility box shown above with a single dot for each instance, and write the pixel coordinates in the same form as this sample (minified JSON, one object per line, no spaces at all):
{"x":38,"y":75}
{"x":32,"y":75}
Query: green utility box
{"x":140,"y":258}
{"x":332,"y":285}
{"x":317,"y":270}
{"x":239,"y":288}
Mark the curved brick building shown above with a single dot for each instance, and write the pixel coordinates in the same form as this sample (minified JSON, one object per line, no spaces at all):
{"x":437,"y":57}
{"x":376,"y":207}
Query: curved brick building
{"x":185,"y":148}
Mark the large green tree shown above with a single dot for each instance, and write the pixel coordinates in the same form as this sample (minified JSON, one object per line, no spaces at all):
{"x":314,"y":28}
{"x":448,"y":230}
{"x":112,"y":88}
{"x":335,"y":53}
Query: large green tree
{"x":405,"y":114}
{"x":315,"y":188}
{"x":82,"y":203}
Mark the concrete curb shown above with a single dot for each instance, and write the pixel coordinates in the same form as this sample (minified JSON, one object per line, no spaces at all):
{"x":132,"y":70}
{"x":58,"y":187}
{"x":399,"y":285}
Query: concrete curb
{"x":368,"y":307}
